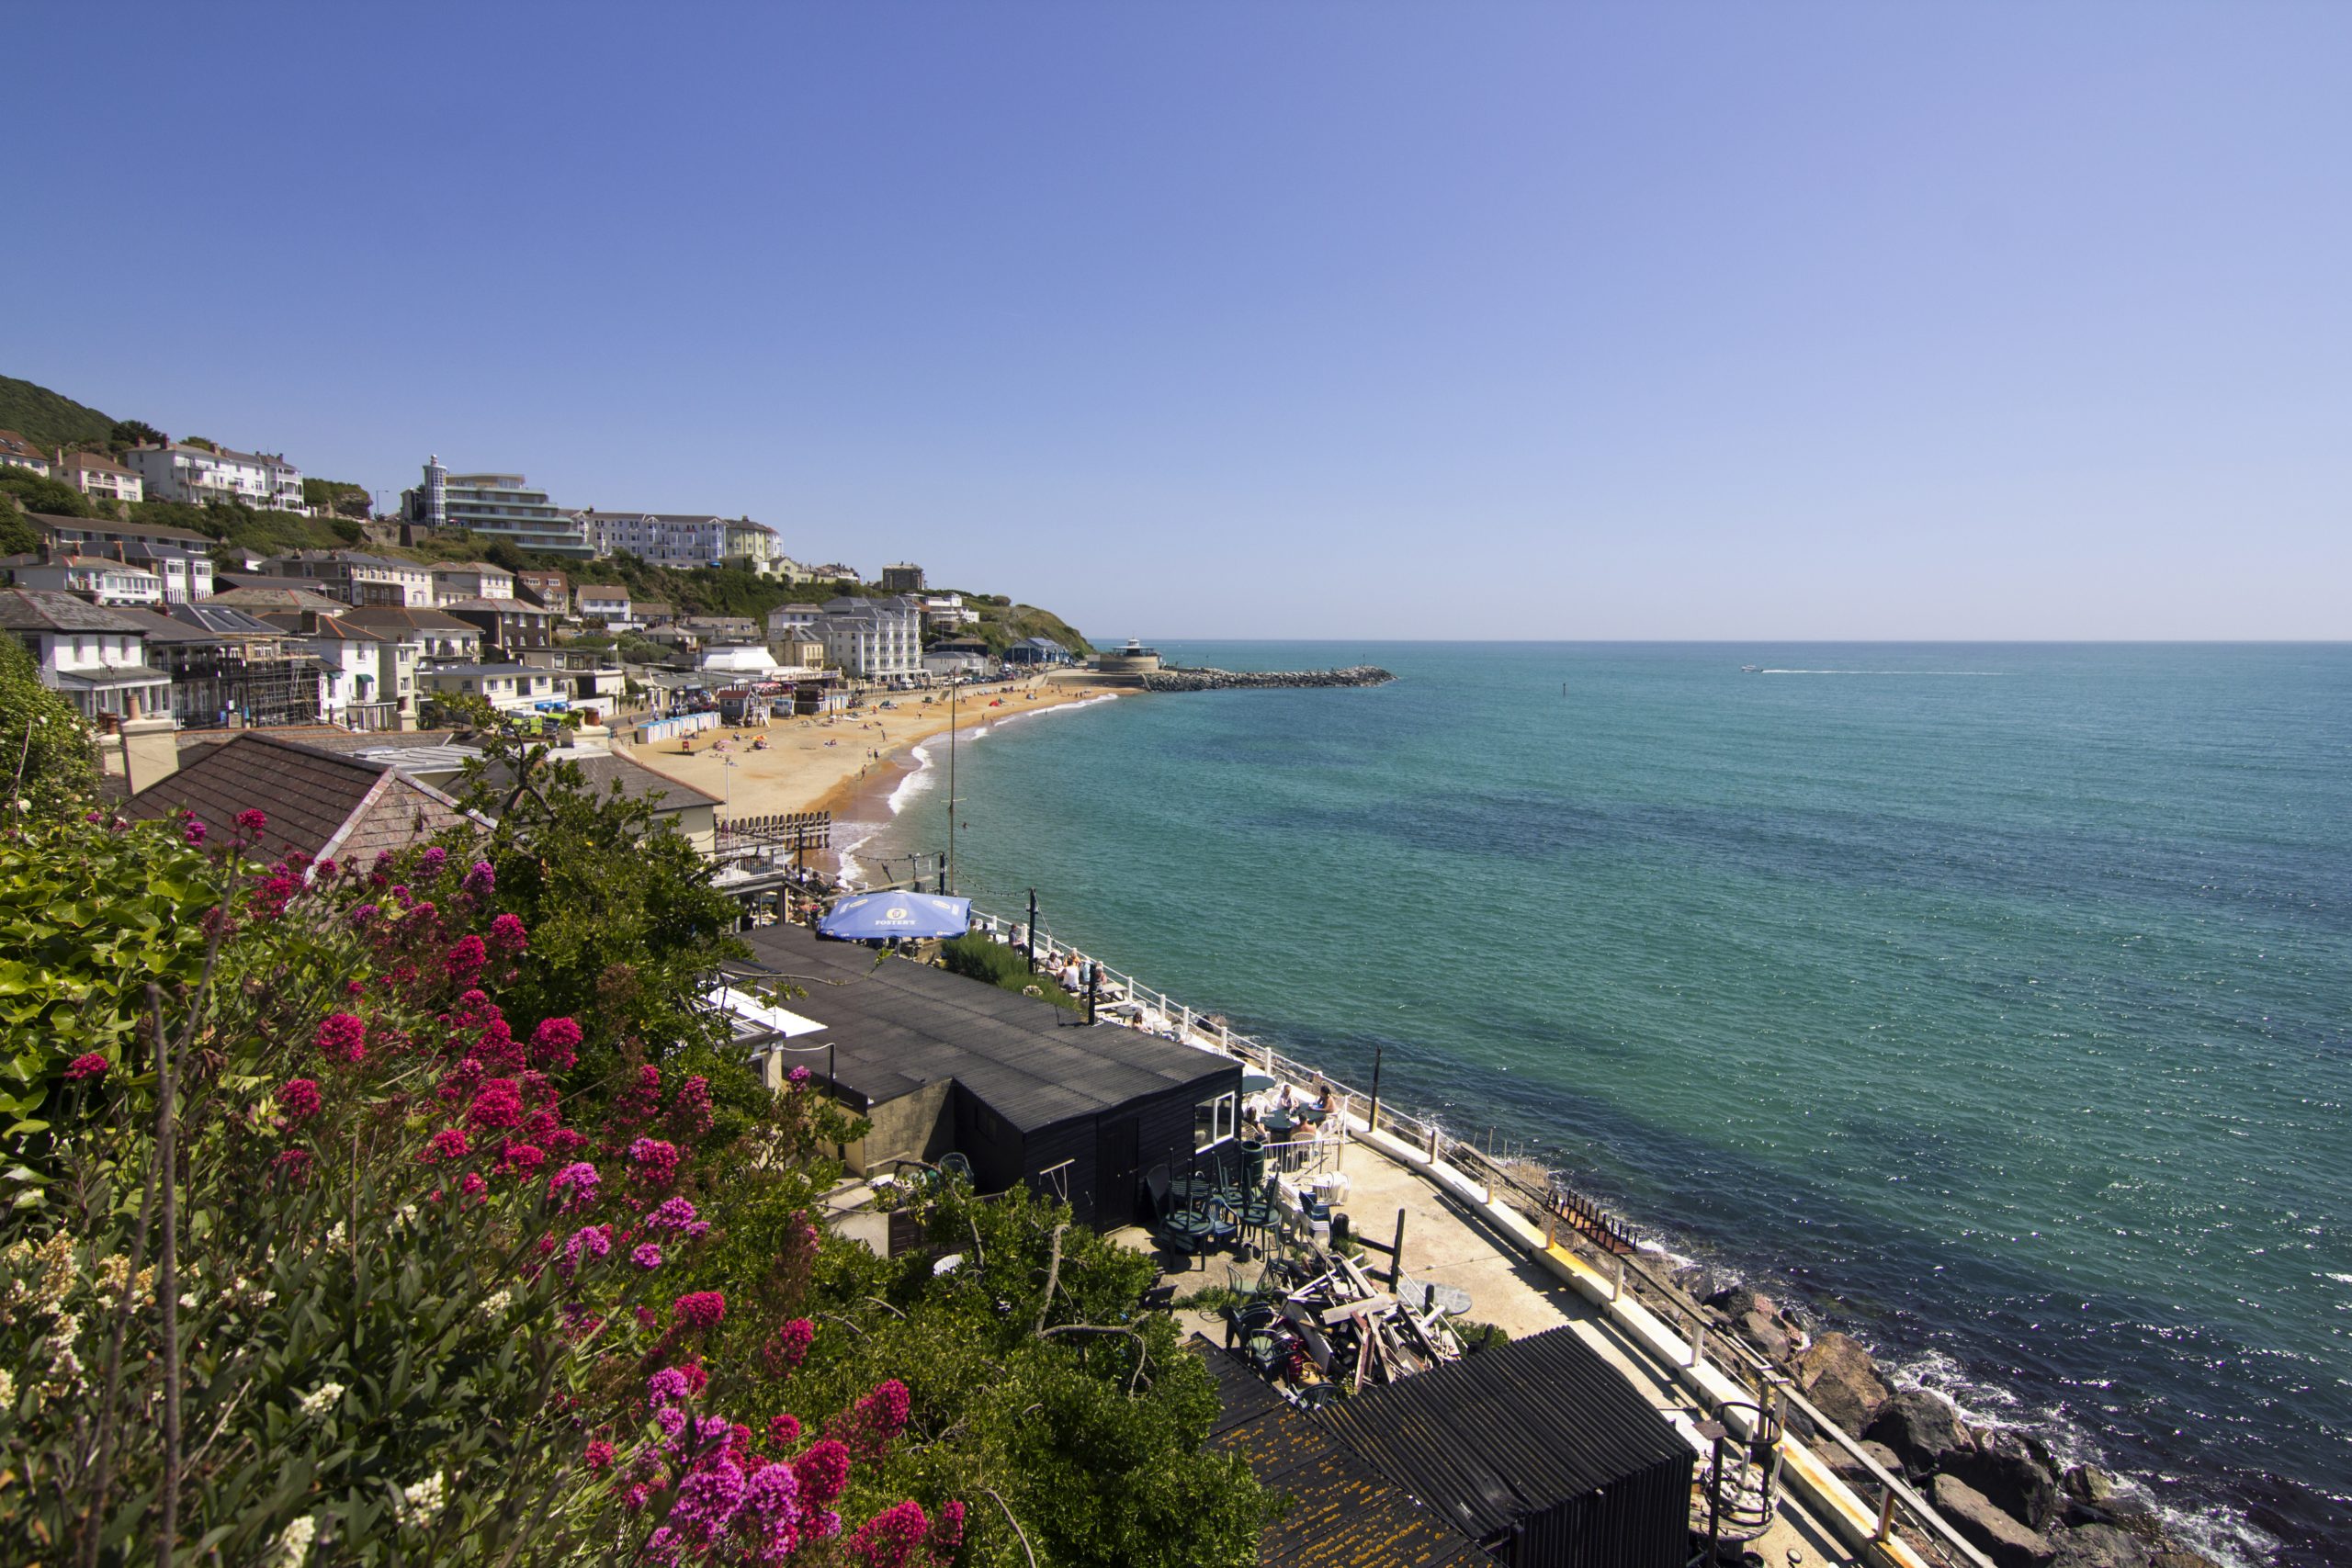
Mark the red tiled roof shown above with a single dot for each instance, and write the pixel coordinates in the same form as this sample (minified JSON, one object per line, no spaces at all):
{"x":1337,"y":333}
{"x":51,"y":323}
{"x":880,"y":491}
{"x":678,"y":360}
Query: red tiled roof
{"x":318,"y":802}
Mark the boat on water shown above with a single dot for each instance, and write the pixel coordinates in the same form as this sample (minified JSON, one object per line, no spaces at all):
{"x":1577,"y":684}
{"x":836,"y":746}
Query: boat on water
{"x":1751,"y":669}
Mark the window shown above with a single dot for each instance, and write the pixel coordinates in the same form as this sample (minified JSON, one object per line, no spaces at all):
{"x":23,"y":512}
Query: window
{"x":1213,"y":1122}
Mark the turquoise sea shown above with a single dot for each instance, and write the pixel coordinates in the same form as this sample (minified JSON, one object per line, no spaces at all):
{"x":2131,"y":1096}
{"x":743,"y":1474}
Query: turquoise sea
{"x":1993,"y":1000}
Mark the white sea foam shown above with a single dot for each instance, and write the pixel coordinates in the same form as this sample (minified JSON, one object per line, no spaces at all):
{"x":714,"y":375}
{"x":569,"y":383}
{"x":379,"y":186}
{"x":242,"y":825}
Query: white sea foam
{"x":914,"y":783}
{"x":1988,"y":673}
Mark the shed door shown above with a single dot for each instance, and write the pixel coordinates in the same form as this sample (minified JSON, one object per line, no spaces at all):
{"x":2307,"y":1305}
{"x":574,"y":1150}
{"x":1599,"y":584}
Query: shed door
{"x":1115,"y":1172}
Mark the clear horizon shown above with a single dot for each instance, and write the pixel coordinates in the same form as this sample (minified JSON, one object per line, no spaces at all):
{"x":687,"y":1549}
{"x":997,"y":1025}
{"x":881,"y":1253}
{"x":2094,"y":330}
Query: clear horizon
{"x":1819,"y":322}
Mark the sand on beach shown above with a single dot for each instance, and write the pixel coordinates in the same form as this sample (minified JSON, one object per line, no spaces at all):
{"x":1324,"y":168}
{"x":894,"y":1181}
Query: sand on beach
{"x":829,"y":765}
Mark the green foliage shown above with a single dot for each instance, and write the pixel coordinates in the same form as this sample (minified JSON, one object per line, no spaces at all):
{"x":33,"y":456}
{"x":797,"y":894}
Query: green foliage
{"x":207,"y":442}
{"x":1003,"y":625}
{"x":623,"y":916}
{"x":242,"y":527}
{"x":1094,"y":1439}
{"x":135,"y":433}
{"x":975,"y":956}
{"x":18,"y":534}
{"x":39,"y":493}
{"x":344,"y":498}
{"x":50,"y":419}
{"x":84,"y":932}
{"x":44,"y":744}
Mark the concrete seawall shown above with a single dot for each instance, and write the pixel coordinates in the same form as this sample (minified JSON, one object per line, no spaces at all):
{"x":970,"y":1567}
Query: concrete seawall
{"x":1250,"y":680}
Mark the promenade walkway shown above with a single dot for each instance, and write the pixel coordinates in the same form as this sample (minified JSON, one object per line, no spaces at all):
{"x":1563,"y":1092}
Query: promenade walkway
{"x":1449,"y":1240}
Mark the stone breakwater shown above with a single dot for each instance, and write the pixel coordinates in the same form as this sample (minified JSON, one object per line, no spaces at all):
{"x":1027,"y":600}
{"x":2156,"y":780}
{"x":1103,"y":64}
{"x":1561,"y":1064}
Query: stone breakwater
{"x":1249,"y":680}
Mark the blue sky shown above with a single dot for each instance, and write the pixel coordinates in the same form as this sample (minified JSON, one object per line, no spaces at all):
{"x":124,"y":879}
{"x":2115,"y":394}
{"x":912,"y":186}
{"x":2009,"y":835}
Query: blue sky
{"x":1675,"y":321}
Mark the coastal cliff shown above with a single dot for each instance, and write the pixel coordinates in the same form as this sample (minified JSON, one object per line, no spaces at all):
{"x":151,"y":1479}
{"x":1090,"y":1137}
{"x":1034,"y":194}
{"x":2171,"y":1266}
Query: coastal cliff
{"x":1249,"y":680}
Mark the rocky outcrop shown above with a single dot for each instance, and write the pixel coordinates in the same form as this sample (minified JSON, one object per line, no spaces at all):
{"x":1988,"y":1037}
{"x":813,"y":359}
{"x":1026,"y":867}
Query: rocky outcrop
{"x":2098,"y":1546}
{"x":1922,"y":1429}
{"x":2087,"y":1496}
{"x":1838,"y":1375}
{"x":1855,"y":1473}
{"x":1991,"y":1531}
{"x":2015,"y":1471}
{"x":1251,"y":680}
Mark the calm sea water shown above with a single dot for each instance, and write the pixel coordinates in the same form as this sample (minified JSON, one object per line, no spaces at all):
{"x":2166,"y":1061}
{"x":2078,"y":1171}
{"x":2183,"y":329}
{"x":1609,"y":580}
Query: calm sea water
{"x":1995,"y":1000}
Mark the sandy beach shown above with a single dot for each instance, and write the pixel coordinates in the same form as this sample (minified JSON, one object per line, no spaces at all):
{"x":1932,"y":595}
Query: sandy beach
{"x":847,"y":764}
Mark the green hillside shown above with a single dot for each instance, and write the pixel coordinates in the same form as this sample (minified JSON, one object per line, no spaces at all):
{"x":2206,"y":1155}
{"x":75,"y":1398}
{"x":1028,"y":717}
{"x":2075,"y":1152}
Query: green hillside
{"x":50,"y":418}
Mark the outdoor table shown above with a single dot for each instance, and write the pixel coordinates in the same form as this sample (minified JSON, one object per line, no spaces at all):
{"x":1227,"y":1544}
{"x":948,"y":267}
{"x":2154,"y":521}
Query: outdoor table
{"x":1190,"y":1189}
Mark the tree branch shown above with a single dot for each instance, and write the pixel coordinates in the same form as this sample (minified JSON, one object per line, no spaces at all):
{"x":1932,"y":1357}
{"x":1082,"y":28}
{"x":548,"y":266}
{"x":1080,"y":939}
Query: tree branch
{"x":1053,"y":1276}
{"x":1017,"y":1530}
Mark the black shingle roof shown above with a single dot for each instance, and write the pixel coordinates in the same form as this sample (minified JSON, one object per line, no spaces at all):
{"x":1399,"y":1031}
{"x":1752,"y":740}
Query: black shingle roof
{"x":898,"y":1025}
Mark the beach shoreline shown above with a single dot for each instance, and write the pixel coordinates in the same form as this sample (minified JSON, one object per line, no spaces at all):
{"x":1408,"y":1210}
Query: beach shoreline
{"x":849,"y":765}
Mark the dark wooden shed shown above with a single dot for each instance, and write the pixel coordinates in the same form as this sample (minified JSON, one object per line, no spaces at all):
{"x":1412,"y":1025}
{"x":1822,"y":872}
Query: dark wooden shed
{"x":1541,"y":1451}
{"x":1025,"y":1090}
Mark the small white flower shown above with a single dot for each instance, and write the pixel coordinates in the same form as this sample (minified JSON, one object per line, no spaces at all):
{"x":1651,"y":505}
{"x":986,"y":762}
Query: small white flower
{"x":7,"y":1388}
{"x":321,"y":1399}
{"x":188,"y":1301}
{"x":334,"y":1236}
{"x":494,"y":1306}
{"x":294,"y":1544}
{"x":421,"y":1504}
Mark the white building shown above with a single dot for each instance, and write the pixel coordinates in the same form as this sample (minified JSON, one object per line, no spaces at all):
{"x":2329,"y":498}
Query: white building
{"x":472,"y":580}
{"x":874,"y":639}
{"x":94,"y":578}
{"x":197,"y":474}
{"x":509,"y":688}
{"x":502,"y":505}
{"x":793,"y":619}
{"x":947,"y":611}
{"x":353,"y":660}
{"x":15,"y":452}
{"x":175,"y":555}
{"x":101,"y":477}
{"x":678,"y":539}
{"x":94,"y":655}
{"x":603,"y":601}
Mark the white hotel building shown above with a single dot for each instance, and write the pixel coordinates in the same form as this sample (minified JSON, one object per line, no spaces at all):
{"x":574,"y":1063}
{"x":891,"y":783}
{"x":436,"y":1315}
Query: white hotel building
{"x":679,"y":538}
{"x":185,"y":473}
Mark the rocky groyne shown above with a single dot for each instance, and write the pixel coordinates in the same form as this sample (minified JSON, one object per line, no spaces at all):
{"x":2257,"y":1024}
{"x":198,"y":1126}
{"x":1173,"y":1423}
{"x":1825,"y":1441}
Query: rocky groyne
{"x":1177,"y":680}
{"x":2003,"y":1490}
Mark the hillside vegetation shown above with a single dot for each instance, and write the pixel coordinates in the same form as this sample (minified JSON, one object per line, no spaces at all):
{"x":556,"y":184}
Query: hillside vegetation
{"x":50,"y":418}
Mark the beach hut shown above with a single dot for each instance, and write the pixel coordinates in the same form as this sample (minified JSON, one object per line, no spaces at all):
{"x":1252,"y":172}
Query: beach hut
{"x":1540,"y":1452}
{"x":1026,"y":1092}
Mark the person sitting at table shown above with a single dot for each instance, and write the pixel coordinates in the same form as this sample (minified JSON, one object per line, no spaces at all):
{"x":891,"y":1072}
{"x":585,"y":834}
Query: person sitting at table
{"x":1320,"y":1106}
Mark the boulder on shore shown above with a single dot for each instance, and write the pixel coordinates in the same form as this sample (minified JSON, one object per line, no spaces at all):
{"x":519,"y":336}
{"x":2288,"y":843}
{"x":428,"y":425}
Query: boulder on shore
{"x":1922,"y":1428}
{"x":1740,"y":1300}
{"x":1839,"y":1375}
{"x":1853,"y":1472}
{"x":2099,"y":1546}
{"x":1988,"y":1528}
{"x":2090,"y":1497}
{"x":1768,"y":1333}
{"x":2015,"y":1471}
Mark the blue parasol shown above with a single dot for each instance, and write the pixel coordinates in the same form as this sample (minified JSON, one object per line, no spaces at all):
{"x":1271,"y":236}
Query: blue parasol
{"x":871,"y":915}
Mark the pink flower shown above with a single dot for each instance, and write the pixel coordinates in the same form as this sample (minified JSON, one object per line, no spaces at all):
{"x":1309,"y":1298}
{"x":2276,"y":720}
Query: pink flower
{"x":788,"y":1346}
{"x":193,"y":830}
{"x":354,"y":988}
{"x":253,"y":821}
{"x":363,"y":913}
{"x":947,"y":1531}
{"x":555,"y":1044}
{"x":294,"y":1163}
{"x":784,"y":1430}
{"x":771,"y":1498}
{"x":299,"y":1099}
{"x":474,"y":1185}
{"x":465,"y":960}
{"x":677,"y":1214}
{"x":665,"y":1385}
{"x":89,"y":1065}
{"x":600,"y":1456}
{"x":523,"y":1159}
{"x":888,"y":1540}
{"x":709,"y":1499}
{"x":797,"y":1077}
{"x":342,"y":1038}
{"x":701,"y":1309}
{"x":573,"y":1187}
{"x":871,"y":1425}
{"x":497,"y":1106}
{"x":435,"y":857}
{"x":656,"y":1161}
{"x":647,"y":1256}
{"x":594,"y":1241}
{"x":507,"y":935}
{"x":823,"y":1471}
{"x":690,"y":1115}
{"x":482,"y":879}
